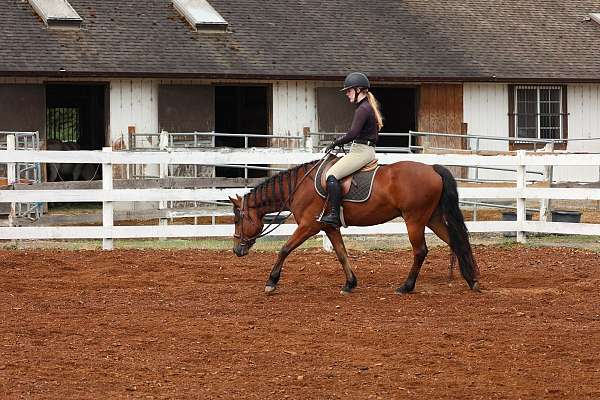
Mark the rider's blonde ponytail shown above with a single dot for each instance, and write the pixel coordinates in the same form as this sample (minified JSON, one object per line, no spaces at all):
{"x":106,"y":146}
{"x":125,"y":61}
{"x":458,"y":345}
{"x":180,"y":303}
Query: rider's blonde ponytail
{"x":375,"y":104}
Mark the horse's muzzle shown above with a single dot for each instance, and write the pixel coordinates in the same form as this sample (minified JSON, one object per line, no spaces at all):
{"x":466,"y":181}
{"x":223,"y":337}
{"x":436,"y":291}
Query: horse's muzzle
{"x":240,"y":250}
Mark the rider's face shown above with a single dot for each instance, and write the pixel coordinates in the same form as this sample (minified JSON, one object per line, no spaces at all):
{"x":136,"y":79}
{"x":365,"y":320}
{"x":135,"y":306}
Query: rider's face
{"x":350,"y":94}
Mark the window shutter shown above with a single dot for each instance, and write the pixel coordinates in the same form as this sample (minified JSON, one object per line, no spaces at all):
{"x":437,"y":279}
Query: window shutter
{"x":565,"y":114}
{"x":511,"y":111}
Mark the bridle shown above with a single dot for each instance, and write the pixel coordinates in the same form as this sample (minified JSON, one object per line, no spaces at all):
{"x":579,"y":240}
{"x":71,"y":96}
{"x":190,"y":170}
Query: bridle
{"x":243,"y":214}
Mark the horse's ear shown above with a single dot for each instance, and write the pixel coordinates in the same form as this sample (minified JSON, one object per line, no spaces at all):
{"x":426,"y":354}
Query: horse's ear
{"x":238,"y":197}
{"x":233,"y":201}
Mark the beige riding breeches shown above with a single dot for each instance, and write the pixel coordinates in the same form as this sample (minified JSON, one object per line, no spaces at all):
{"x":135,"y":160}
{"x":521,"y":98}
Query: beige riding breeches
{"x":359,"y":156}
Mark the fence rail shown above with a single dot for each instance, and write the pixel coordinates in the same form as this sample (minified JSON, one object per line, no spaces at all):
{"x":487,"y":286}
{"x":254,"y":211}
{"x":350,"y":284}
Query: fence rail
{"x":217,"y":157}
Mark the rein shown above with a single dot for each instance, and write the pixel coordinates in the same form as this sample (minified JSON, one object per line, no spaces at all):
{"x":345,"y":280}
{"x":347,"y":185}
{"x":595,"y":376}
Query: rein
{"x":285,"y":203}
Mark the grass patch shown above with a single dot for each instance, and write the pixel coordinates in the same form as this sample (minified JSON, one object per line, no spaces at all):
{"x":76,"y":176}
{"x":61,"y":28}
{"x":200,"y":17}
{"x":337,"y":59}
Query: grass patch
{"x":274,"y":243}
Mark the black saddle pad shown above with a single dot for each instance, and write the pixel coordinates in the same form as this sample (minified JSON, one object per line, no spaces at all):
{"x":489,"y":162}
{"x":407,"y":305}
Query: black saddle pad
{"x":360,"y":188}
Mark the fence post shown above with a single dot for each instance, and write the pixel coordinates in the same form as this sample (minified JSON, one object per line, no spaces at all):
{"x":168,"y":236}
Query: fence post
{"x":107,"y":206}
{"x":548,"y":177}
{"x":163,"y":172}
{"x":308,"y":142}
{"x":521,"y":183}
{"x":11,"y":177}
{"x":476,"y":179}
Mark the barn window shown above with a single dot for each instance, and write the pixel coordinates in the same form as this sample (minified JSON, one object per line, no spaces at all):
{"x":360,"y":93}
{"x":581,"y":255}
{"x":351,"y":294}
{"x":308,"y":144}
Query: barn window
{"x":538,"y":112}
{"x":201,"y":15}
{"x":63,"y":123}
{"x":56,"y":13}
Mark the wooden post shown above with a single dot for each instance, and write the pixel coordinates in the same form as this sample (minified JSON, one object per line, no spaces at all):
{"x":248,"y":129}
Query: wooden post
{"x":548,"y":177}
{"x":131,"y":137}
{"x":11,"y":175}
{"x":130,"y":147}
{"x":107,"y":206}
{"x":521,"y":183}
{"x":308,"y":143}
{"x":163,"y":173}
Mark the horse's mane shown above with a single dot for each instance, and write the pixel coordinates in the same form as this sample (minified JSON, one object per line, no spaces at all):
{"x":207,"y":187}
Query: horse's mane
{"x":272,"y":182}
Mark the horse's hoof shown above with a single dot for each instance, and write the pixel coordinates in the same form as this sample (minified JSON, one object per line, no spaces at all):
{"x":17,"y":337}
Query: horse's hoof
{"x":403,"y":290}
{"x":476,"y":287}
{"x":345,"y":291}
{"x":270,"y":289}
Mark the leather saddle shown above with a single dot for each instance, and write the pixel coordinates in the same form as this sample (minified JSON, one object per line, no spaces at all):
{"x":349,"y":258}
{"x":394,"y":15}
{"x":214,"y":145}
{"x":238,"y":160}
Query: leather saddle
{"x":356,"y":187}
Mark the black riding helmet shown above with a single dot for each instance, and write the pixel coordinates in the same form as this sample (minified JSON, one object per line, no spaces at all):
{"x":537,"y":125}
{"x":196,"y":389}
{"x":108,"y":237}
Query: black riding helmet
{"x":356,"y":80}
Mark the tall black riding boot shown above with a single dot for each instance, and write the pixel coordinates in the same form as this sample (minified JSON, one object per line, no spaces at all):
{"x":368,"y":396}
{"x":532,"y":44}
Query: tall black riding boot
{"x":334,"y":193}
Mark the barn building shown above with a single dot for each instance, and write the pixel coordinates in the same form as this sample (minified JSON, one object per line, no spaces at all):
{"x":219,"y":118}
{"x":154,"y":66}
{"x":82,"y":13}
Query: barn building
{"x":515,"y":68}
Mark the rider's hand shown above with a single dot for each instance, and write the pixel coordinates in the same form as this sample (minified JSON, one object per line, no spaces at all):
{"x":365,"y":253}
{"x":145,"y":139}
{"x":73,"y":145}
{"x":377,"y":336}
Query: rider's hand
{"x":330,"y":147}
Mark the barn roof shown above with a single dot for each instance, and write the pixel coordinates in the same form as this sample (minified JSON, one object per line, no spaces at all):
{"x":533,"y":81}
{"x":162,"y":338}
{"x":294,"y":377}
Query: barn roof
{"x":406,"y":40}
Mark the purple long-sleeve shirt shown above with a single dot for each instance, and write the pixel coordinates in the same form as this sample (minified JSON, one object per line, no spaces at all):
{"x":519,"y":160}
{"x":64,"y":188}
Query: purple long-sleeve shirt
{"x":364,"y":125}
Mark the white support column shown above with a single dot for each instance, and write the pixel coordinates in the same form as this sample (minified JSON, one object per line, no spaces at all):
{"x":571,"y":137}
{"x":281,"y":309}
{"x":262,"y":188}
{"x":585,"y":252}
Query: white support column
{"x":163,"y":173}
{"x":11,"y":175}
{"x":521,"y":182}
{"x":107,"y":206}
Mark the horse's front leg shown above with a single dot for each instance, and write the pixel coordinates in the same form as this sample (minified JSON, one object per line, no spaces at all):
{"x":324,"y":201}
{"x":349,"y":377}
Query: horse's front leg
{"x":337,"y":241}
{"x":298,"y":237}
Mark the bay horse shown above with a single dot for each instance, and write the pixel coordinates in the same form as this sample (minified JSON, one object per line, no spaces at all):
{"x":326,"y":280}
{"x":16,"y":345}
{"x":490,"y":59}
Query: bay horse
{"x":423,"y":195}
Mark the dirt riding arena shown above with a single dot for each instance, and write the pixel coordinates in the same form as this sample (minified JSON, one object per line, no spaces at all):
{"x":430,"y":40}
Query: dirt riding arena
{"x":196,"y":324}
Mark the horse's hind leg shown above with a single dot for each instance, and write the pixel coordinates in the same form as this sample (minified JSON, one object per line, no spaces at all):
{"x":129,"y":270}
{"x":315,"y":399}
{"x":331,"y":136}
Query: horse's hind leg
{"x":335,"y":237}
{"x":416,"y":235}
{"x":436,"y":224}
{"x":451,"y":267}
{"x":298,"y":237}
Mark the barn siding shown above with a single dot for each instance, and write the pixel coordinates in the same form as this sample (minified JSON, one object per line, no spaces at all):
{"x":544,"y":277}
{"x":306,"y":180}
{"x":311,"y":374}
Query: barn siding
{"x":133,"y":102}
{"x":486,"y":113}
{"x":583,"y":105}
{"x":294,"y":107}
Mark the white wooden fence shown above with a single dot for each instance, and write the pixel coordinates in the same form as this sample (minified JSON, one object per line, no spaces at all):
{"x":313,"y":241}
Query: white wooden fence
{"x":108,"y":195}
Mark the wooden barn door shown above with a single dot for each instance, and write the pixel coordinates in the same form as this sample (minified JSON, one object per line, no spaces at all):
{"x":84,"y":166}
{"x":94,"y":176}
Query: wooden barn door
{"x":334,"y":112}
{"x":186,"y":109}
{"x":23,"y":108}
{"x":441,"y":111}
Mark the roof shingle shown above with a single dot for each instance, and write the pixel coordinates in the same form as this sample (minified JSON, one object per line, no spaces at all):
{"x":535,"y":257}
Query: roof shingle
{"x":388,"y":39}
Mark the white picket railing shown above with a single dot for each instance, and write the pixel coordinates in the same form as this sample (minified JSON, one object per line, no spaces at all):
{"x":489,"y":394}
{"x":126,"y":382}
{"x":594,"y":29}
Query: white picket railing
{"x":108,"y":195}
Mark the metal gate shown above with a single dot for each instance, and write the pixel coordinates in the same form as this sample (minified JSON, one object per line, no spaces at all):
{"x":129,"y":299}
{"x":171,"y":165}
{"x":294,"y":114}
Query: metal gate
{"x":25,"y":172}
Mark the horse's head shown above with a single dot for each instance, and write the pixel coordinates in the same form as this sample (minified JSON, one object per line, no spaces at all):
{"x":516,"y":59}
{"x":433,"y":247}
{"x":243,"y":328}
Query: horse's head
{"x":248,"y":226}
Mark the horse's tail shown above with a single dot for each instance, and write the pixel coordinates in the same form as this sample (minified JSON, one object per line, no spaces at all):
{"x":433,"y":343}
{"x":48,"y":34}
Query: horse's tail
{"x":457,"y":230}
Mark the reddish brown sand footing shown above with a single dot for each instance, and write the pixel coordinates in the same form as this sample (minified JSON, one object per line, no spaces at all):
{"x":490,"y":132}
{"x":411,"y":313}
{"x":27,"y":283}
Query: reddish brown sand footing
{"x":196,"y":324}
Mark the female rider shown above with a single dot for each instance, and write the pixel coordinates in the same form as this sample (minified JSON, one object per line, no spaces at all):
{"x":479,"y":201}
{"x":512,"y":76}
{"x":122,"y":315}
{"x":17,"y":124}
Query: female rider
{"x":363,"y":134}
